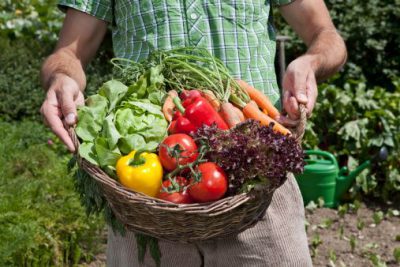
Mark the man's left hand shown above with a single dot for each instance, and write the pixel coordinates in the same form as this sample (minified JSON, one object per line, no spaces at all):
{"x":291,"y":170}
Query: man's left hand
{"x":299,"y":87}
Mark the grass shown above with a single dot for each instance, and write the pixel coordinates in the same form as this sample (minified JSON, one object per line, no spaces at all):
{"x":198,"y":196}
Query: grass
{"x":41,"y":220}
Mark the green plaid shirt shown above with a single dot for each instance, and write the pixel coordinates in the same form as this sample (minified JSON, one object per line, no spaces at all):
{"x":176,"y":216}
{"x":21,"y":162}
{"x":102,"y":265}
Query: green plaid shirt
{"x":238,"y":32}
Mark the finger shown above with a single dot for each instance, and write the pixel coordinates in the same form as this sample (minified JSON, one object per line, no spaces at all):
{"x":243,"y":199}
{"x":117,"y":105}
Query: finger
{"x":312,"y":93}
{"x":299,"y":87}
{"x":68,"y":106}
{"x":285,"y":121}
{"x":293,"y":111}
{"x":80,"y":100}
{"x":55,"y":124}
{"x":285,"y":100}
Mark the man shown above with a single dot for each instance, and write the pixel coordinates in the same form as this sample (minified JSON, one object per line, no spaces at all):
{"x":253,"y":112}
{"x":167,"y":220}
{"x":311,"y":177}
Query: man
{"x":240,"y":34}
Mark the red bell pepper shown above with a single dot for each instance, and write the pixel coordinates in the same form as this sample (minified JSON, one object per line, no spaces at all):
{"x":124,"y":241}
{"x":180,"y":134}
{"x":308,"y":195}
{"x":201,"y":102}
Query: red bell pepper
{"x":183,"y":125}
{"x":198,"y":111}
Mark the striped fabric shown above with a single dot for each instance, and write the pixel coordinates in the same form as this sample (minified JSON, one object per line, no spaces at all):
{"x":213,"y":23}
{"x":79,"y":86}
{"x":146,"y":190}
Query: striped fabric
{"x":278,"y":240}
{"x":238,"y":32}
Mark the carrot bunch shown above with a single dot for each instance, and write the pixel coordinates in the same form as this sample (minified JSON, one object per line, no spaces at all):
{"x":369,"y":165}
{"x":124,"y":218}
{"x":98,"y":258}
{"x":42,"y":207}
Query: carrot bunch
{"x":258,"y":101}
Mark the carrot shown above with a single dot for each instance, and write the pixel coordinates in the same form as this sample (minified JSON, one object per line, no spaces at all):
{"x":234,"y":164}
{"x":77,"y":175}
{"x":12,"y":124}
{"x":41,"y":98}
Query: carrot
{"x":229,"y":114}
{"x":252,"y":111}
{"x":239,"y":113}
{"x":210,"y":96}
{"x":168,"y":107}
{"x":262,"y":100}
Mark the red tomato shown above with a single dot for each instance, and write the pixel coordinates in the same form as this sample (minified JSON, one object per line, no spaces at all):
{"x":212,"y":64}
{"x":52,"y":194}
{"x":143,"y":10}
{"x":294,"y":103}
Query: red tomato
{"x":181,"y":197}
{"x":213,"y":183}
{"x":186,"y":144}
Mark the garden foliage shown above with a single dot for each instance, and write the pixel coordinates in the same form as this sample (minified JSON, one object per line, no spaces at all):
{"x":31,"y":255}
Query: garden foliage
{"x":42,"y":222}
{"x":354,"y":122}
{"x":371,"y":29}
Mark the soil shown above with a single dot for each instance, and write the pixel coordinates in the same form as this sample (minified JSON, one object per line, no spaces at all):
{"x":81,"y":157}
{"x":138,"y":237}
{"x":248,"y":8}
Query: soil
{"x":373,"y":243}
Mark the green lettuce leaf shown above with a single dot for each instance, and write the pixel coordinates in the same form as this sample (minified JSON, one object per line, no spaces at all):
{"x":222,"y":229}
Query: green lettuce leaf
{"x":114,"y":91}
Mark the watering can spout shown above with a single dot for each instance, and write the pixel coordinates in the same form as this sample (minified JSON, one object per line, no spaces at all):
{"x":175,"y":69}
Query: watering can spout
{"x":343,"y":182}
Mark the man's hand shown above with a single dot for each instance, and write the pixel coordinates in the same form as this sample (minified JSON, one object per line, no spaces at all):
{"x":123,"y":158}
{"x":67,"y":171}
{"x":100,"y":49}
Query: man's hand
{"x":63,"y":73}
{"x":59,"y":107}
{"x":325,"y":55}
{"x":299,"y":87}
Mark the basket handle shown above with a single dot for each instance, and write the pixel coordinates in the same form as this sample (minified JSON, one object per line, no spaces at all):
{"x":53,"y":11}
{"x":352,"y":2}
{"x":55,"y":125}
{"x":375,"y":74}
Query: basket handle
{"x":298,"y":132}
{"x":74,"y":137}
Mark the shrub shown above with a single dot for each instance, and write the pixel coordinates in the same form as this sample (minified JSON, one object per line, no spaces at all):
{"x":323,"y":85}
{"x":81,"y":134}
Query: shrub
{"x":353,"y":123}
{"x":21,"y":94}
{"x":371,"y":29}
{"x":42,"y":222}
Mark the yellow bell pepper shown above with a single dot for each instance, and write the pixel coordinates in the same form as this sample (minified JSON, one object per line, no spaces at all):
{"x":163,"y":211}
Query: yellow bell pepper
{"x":141,"y":172}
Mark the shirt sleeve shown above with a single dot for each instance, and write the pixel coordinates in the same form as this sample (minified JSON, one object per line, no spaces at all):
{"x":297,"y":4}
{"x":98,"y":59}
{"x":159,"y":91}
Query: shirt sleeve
{"x":101,"y":9}
{"x":281,"y":2}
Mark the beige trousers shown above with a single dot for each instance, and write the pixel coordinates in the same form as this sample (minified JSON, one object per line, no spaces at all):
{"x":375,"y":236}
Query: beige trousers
{"x":279,"y":239}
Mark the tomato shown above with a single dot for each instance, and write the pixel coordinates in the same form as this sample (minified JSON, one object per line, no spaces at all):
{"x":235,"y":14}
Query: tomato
{"x":188,"y":151}
{"x":213,"y":184}
{"x":180,"y":197}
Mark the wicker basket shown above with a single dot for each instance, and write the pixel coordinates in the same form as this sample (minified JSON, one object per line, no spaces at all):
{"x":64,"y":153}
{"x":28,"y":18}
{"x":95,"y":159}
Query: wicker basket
{"x":185,"y":223}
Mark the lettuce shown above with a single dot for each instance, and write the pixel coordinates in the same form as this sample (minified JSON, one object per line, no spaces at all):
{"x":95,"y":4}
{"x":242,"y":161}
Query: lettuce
{"x":122,"y":118}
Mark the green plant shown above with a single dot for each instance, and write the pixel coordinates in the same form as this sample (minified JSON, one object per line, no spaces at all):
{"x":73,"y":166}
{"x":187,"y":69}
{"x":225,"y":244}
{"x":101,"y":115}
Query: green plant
{"x":41,"y":220}
{"x":353,"y":243}
{"x":315,"y":242}
{"x":370,"y":30}
{"x":396,"y":254}
{"x":378,"y":217}
{"x":37,"y":19}
{"x":326,"y":224}
{"x":359,"y":123}
{"x":332,"y":255}
{"x":376,"y":260}
{"x":342,"y":210}
{"x":360,"y":224}
{"x":341,"y":230}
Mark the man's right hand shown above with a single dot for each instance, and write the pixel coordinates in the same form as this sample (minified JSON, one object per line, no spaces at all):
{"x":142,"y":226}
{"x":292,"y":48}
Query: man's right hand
{"x":63,"y":75}
{"x":59,"y":107}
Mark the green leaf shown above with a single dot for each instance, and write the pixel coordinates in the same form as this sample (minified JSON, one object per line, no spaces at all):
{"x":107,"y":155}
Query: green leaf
{"x":396,"y":254}
{"x":106,"y":157}
{"x":110,"y":131}
{"x":91,"y":118}
{"x":86,"y":151}
{"x":131,"y":142}
{"x":114,"y":91}
{"x":145,"y":106}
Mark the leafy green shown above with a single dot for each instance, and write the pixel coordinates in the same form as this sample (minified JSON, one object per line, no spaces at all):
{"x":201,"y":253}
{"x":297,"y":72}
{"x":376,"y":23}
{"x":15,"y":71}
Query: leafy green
{"x":354,"y":122}
{"x":122,"y":118}
{"x":42,"y":222}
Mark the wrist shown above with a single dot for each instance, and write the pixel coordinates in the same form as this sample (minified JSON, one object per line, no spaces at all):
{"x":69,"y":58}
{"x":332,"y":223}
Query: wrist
{"x":314,"y":61}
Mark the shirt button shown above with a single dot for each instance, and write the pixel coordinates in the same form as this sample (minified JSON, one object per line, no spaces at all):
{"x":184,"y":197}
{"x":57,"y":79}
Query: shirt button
{"x":193,"y":16}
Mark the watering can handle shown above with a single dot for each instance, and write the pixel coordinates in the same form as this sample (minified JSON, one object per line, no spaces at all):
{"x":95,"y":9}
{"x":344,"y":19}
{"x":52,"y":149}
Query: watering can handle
{"x":323,"y":154}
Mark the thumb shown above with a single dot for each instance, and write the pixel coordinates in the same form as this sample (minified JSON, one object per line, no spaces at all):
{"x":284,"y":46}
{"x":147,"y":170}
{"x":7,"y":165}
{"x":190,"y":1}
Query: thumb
{"x":68,"y":106}
{"x":300,"y":92}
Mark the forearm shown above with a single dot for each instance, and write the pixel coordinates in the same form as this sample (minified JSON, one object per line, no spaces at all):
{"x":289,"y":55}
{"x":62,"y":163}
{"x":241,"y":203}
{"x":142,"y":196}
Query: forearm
{"x":62,"y":61}
{"x":327,"y":52}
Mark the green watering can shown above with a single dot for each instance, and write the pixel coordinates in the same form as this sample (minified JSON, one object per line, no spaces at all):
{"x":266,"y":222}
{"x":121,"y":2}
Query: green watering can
{"x":322,"y":177}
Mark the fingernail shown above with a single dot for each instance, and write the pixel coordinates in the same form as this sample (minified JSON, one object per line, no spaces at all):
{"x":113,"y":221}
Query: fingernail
{"x":302,"y":97}
{"x":70,"y":119}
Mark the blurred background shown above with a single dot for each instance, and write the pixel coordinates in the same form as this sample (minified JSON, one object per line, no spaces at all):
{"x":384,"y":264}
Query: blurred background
{"x":43,"y":224}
